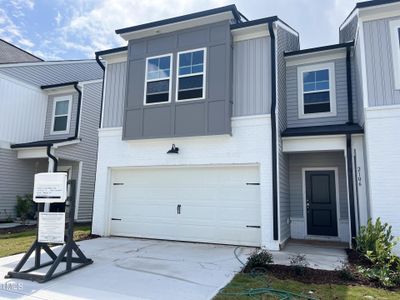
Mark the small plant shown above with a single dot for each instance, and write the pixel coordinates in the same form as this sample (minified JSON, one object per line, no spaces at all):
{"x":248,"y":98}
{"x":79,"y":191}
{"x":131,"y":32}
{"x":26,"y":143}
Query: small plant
{"x":376,"y":243}
{"x":299,"y":262}
{"x":25,"y":207}
{"x":258,"y":260}
{"x":346,"y":272}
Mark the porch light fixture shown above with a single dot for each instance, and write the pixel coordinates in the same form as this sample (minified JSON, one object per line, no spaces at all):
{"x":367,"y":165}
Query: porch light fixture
{"x":173,"y":150}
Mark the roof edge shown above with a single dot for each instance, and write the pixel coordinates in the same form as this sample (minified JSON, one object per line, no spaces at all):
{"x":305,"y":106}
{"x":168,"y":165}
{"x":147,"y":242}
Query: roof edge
{"x":40,"y":59}
{"x":111,"y":51}
{"x":319,"y":49}
{"x":204,"y":13}
{"x":51,"y":86}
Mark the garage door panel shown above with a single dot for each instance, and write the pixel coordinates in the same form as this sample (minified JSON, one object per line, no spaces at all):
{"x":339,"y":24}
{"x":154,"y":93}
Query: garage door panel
{"x":216,"y":204}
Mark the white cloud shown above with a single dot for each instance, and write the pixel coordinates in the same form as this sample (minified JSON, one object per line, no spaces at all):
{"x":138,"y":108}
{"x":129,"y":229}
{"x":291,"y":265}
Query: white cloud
{"x":26,"y":42}
{"x":92,"y":25}
{"x":58,"y":18}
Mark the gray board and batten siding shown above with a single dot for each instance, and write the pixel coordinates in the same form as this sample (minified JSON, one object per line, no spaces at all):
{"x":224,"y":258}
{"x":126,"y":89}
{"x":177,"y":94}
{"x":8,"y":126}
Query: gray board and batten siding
{"x":378,"y":54}
{"x":341,"y":117}
{"x":209,"y":116}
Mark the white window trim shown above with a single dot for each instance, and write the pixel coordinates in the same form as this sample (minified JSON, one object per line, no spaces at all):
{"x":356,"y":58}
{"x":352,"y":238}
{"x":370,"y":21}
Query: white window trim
{"x":59,"y":99}
{"x":332,"y":90}
{"x":158,"y":79}
{"x":204,"y":73}
{"x":394,"y":37}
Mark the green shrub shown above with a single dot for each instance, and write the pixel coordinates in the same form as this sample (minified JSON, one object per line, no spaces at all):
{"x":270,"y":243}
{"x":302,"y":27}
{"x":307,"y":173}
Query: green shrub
{"x":376,"y":243}
{"x":25,"y":207}
{"x":258,"y":260}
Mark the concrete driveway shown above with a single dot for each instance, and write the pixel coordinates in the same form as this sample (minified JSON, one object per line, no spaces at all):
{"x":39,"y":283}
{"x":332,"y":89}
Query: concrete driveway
{"x":135,"y":269}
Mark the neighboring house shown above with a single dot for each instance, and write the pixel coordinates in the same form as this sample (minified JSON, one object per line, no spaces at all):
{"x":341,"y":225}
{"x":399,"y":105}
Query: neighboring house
{"x":274,"y":142}
{"x":10,"y":53}
{"x":49,"y":115}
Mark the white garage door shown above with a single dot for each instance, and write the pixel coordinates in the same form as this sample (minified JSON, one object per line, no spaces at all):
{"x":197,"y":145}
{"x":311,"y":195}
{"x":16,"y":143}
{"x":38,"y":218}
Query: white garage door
{"x":202,"y":204}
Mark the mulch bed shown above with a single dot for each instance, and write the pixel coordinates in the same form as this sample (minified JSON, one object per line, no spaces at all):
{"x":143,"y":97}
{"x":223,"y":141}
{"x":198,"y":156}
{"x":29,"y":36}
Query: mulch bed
{"x":313,"y":276}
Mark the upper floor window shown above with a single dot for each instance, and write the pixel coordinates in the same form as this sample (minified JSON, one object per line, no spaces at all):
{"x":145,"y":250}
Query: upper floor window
{"x":317,"y":91}
{"x":191,"y":75}
{"x":61,"y":114}
{"x":395,"y":39}
{"x":158,"y":79}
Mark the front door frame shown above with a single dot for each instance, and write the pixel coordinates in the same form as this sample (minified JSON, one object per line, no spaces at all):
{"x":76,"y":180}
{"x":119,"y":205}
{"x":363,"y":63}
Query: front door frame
{"x":336,"y":171}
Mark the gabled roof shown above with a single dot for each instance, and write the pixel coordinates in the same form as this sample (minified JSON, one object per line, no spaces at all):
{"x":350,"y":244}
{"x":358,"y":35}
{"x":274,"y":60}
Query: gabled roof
{"x":319,"y":49}
{"x":232,"y":8}
{"x":42,"y":143}
{"x":10,"y":53}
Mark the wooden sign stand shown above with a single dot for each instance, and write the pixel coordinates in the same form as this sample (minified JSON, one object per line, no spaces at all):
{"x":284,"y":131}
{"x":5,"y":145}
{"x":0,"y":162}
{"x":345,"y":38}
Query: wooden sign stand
{"x":65,"y":255}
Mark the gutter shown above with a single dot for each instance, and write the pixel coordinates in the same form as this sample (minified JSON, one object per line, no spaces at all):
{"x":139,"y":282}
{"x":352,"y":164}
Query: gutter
{"x":51,"y":156}
{"x":102,"y":66}
{"x":273,"y":133}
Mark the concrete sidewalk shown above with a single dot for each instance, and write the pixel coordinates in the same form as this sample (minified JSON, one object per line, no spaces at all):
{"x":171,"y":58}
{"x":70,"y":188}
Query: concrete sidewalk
{"x":135,"y":269}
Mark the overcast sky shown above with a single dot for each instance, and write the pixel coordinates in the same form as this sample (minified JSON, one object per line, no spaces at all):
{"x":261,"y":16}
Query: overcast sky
{"x":62,"y":29}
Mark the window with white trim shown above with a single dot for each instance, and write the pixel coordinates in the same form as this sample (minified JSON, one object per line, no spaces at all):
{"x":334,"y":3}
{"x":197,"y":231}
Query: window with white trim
{"x":191,"y":75}
{"x":395,"y":41}
{"x":316,"y":91}
{"x":158,"y":79}
{"x":61,"y":114}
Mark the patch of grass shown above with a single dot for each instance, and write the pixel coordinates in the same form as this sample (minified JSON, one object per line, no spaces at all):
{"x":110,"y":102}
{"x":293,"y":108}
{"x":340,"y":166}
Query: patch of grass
{"x":245,"y":282}
{"x":14,"y":243}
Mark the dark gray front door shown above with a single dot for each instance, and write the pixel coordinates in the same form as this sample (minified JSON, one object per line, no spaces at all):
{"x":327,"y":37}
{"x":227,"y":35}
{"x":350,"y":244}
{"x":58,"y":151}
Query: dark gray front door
{"x":321,"y":203}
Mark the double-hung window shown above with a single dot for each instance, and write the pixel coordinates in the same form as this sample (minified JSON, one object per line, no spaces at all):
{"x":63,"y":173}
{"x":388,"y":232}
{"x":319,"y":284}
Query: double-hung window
{"x":158,"y":79}
{"x":61,"y":114}
{"x":191,"y":75}
{"x":316,"y":91}
{"x":395,"y":41}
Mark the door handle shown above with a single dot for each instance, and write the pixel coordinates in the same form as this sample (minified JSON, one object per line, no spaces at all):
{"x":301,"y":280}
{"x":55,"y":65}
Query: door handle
{"x":307,"y":204}
{"x":178,"y":209}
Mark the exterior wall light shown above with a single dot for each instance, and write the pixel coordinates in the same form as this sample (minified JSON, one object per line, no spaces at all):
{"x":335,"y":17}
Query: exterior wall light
{"x":173,"y":150}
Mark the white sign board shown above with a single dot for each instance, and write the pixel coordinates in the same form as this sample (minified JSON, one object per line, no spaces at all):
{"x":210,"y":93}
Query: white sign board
{"x":50,"y":188}
{"x":51,"y":227}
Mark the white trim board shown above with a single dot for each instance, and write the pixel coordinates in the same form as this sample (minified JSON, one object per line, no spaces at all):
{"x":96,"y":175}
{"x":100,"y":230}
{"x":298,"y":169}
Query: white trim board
{"x":330,"y":66}
{"x":314,"y":143}
{"x":68,"y":98}
{"x":252,"y":32}
{"x":394,"y":27}
{"x":315,"y":57}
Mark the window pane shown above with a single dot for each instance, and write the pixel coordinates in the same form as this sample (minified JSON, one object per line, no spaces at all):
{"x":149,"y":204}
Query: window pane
{"x":316,"y":97}
{"x":309,"y":87}
{"x":322,"y":85}
{"x":62,"y":107}
{"x":191,"y":82}
{"x":152,"y":65}
{"x":190,"y":94}
{"x":322,"y":75}
{"x":316,"y":108}
{"x":197,"y":69}
{"x":164,"y":62}
{"x":158,"y":67}
{"x":198,"y":57}
{"x":184,"y":70}
{"x":60,"y":123}
{"x":308,"y":77}
{"x":157,"y":98}
{"x":185,"y":59}
{"x":158,"y":86}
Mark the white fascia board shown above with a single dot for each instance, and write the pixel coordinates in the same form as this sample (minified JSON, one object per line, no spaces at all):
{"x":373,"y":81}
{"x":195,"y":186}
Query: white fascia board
{"x":81,"y":83}
{"x":46,"y":63}
{"x":60,"y":90}
{"x":315,"y":57}
{"x":287,"y":28}
{"x":251,"y":32}
{"x":349,"y":19}
{"x":380,"y":12}
{"x":36,"y":152}
{"x":177,"y":26}
{"x":117,"y":57}
{"x":314,"y":143}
